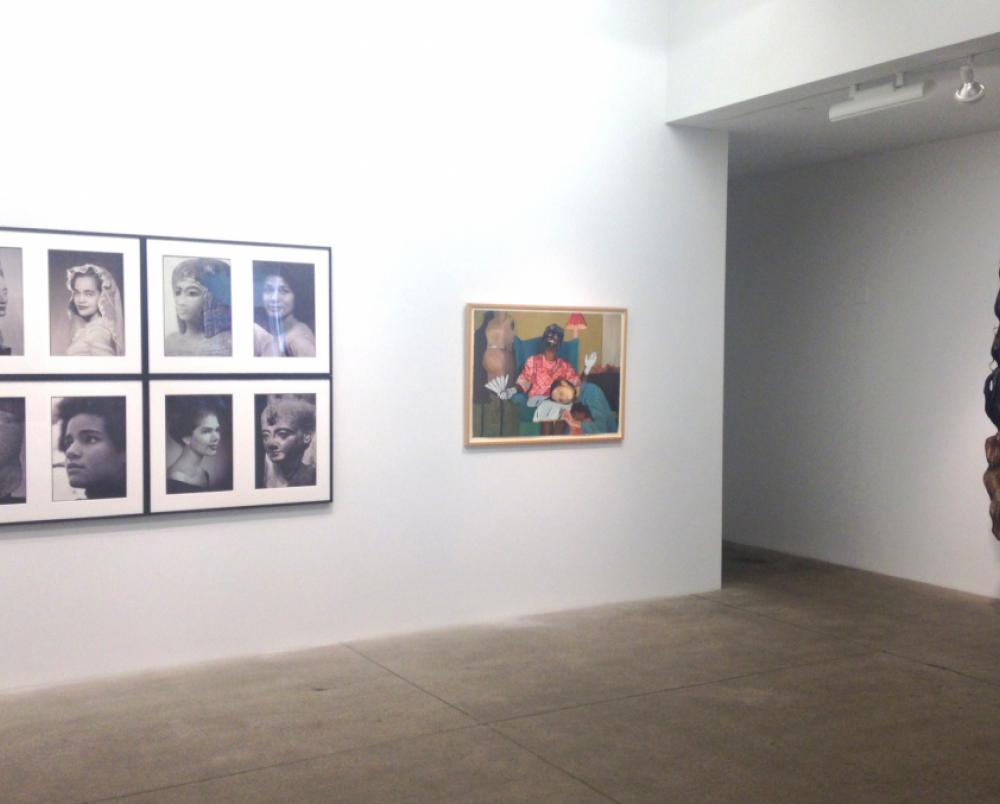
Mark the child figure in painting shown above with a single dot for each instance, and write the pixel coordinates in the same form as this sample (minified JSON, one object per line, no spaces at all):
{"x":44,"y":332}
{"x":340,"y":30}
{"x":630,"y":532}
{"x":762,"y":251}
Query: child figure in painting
{"x":550,"y":413}
{"x":575,"y":411}
{"x":576,"y":417}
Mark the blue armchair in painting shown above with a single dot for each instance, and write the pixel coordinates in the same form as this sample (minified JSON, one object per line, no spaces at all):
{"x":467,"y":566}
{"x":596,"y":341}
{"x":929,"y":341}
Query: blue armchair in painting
{"x":602,"y":418}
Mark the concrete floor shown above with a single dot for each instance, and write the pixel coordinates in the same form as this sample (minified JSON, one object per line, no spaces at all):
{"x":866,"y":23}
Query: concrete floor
{"x":798,"y":681}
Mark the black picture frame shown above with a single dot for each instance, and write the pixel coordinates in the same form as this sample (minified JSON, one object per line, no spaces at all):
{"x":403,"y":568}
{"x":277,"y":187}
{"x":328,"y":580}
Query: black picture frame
{"x":250,"y":378}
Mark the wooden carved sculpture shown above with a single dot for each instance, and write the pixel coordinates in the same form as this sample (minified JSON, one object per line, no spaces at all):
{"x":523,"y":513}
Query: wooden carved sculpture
{"x":991,"y":391}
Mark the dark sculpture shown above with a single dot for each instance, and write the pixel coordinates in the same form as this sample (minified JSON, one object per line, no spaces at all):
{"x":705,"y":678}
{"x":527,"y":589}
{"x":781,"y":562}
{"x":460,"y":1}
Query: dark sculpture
{"x":991,"y":391}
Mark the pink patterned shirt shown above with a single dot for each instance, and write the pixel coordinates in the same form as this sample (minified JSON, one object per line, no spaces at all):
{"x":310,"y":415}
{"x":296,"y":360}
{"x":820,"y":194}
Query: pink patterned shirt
{"x":538,"y":375}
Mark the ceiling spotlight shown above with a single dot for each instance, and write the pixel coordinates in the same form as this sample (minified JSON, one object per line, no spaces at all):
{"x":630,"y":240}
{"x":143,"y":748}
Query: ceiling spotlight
{"x":875,"y":99}
{"x":971,"y":90}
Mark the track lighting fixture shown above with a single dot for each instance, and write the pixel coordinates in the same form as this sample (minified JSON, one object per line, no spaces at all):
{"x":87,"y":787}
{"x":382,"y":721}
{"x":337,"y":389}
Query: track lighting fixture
{"x":971,"y":89}
{"x":883,"y":96}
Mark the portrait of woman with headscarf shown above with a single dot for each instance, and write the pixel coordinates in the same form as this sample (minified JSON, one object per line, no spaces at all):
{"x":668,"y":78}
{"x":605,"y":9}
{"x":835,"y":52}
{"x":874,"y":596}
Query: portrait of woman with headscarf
{"x":199,"y":304}
{"x":92,"y":323}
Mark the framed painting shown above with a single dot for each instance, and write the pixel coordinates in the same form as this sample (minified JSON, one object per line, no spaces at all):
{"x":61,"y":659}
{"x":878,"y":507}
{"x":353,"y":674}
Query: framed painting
{"x":544,"y":375}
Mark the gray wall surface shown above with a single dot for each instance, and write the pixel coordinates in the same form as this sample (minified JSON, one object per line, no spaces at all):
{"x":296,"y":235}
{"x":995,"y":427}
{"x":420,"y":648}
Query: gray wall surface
{"x":859,"y":318}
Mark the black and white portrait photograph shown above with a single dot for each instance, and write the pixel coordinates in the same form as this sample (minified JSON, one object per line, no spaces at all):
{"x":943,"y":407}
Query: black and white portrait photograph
{"x":86,"y":307}
{"x":89,"y":447}
{"x":252,"y":442}
{"x":286,"y":446}
{"x":199,"y":448}
{"x":284,"y":309}
{"x":11,"y":303}
{"x":12,"y":468}
{"x":197,"y":304}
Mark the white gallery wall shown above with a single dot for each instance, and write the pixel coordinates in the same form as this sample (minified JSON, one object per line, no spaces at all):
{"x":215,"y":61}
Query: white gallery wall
{"x":859,"y":322}
{"x":448,"y":152}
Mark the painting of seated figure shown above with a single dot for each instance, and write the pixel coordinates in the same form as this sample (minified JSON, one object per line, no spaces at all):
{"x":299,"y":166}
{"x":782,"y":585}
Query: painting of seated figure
{"x":537,"y":375}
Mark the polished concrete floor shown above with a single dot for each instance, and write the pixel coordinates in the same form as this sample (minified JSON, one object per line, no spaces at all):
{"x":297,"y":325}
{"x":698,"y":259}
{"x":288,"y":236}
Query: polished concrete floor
{"x":798,"y":681}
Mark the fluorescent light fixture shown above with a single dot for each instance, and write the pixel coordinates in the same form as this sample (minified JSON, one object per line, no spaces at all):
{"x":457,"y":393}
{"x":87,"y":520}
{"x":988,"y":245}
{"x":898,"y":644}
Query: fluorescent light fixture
{"x":875,"y":99}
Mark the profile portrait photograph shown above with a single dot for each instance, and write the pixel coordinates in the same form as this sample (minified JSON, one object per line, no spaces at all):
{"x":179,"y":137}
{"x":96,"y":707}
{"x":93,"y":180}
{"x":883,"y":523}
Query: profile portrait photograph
{"x":197,"y":319}
{"x":286,"y":448}
{"x":11,"y":303}
{"x":86,"y":312}
{"x":12,"y":485}
{"x":284,"y":309}
{"x":199,"y":448}
{"x":89,"y":449}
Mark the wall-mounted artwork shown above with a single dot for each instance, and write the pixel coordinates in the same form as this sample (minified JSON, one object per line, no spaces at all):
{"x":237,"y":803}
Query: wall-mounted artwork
{"x":224,"y":308}
{"x":992,"y":393}
{"x":538,"y":375}
{"x":70,"y":304}
{"x":70,"y":449}
{"x":284,"y":309}
{"x":141,"y":375}
{"x":197,"y":299}
{"x":86,"y":304}
{"x":11,"y":310}
{"x":229,"y":443}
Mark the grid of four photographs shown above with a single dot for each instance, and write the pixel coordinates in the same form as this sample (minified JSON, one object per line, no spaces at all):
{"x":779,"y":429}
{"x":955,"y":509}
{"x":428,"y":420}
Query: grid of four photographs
{"x":148,"y":374}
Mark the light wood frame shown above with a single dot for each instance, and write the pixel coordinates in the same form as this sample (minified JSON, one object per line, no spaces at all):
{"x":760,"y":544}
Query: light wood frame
{"x":560,"y":313}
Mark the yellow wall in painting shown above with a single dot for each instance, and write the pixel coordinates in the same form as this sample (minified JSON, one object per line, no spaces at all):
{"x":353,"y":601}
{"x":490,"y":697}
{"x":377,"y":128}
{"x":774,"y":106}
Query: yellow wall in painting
{"x":532,"y":323}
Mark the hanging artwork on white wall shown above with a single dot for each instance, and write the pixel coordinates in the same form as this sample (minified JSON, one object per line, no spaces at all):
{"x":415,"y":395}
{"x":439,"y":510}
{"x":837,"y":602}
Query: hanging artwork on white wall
{"x":543,"y":375}
{"x":144,"y":375}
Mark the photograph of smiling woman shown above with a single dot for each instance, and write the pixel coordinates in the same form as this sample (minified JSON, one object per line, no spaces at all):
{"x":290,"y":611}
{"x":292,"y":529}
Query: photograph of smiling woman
{"x":91,"y":443}
{"x":87,"y":315}
{"x":199,"y":303}
{"x":199,"y":448}
{"x":284,"y":309}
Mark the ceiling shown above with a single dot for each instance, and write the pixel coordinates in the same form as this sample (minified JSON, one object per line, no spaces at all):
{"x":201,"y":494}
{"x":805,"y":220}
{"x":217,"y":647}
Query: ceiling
{"x":796,"y":131}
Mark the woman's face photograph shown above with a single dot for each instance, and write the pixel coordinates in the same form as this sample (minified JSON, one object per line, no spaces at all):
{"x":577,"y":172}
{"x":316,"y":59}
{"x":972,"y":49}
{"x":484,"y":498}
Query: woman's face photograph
{"x":278,"y":297}
{"x":11,"y":437}
{"x":283,"y":441}
{"x":85,"y":295}
{"x":189,"y":300}
{"x":92,"y":459}
{"x":3,"y":296}
{"x":207,"y":434}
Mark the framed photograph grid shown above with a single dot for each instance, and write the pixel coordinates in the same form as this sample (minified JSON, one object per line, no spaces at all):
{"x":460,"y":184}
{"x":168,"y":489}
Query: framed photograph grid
{"x":145,"y":374}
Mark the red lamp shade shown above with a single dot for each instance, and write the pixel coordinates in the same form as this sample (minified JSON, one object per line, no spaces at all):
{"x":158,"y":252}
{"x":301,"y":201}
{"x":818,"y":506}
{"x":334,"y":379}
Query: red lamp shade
{"x":576,"y":323}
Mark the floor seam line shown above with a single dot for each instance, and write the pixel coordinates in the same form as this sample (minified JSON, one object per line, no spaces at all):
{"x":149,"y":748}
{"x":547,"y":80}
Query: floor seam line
{"x":552,"y":764}
{"x":288,"y":763}
{"x":805,"y":628}
{"x":663,"y":690}
{"x":413,"y":684}
{"x":944,"y":667}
